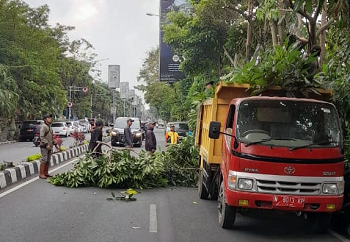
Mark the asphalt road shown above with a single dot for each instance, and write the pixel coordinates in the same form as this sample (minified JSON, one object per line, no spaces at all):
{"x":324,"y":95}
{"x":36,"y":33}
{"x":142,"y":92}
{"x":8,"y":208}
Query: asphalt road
{"x":19,"y":151}
{"x":38,"y":211}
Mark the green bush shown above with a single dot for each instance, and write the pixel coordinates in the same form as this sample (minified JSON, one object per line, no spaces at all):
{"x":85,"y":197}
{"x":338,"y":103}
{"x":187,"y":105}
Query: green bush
{"x":34,"y":157}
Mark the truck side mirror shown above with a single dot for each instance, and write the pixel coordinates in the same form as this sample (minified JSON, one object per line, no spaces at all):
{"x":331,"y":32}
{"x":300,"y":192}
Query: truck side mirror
{"x":214,"y":130}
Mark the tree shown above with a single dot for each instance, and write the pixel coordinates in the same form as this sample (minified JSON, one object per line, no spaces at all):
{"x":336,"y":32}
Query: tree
{"x":8,"y":93}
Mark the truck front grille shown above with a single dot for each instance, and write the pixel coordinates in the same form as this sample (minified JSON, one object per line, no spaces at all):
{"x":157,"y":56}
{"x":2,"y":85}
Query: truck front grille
{"x":286,"y":187}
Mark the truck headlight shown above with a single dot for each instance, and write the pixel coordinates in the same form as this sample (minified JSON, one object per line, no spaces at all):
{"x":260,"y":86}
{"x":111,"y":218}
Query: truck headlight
{"x":329,"y":188}
{"x":231,"y":180}
{"x":113,"y":133}
{"x":245,"y":184}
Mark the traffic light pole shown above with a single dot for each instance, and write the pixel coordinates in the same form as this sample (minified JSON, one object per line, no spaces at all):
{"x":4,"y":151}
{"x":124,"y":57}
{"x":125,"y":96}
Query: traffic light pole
{"x":74,"y":89}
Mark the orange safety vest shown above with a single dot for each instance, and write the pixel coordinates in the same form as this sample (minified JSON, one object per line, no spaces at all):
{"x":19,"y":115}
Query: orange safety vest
{"x":174,"y":137}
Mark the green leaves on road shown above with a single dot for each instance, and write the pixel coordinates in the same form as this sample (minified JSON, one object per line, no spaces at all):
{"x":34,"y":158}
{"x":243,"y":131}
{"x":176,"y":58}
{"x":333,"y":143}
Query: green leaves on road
{"x":177,"y":167}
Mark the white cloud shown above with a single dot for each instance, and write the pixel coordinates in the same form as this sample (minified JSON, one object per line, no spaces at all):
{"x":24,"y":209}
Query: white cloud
{"x":85,"y":11}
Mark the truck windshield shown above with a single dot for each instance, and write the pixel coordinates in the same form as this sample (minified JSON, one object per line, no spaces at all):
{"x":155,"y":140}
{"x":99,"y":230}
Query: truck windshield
{"x":288,"y":123}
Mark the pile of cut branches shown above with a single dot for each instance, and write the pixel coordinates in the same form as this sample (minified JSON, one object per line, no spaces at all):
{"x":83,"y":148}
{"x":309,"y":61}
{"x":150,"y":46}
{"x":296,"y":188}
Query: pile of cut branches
{"x":177,"y":167}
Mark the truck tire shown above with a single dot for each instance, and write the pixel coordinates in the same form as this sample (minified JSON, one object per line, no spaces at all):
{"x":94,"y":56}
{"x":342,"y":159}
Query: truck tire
{"x":227,"y":214}
{"x":202,"y":190}
{"x":320,"y":222}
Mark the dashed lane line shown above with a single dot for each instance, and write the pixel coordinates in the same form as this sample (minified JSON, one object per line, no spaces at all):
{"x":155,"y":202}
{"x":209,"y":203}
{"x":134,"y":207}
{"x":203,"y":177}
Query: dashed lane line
{"x":153,"y":228}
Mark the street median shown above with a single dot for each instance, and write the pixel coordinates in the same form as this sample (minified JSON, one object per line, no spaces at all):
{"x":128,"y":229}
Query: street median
{"x":26,"y":169}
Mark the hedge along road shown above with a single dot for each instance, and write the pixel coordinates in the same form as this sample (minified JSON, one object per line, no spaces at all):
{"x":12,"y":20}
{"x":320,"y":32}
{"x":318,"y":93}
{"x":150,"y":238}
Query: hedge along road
{"x":39,"y":211}
{"x":19,"y":151}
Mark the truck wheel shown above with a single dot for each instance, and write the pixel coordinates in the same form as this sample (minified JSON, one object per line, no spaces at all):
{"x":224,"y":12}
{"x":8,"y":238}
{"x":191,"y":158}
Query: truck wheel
{"x":320,"y":222}
{"x":202,"y":190}
{"x":227,"y":214}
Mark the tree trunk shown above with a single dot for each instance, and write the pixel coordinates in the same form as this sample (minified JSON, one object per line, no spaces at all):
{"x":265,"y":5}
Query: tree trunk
{"x":323,"y":34}
{"x":300,"y":23}
{"x":281,"y":22}
{"x":249,"y":30}
{"x":273,"y":32}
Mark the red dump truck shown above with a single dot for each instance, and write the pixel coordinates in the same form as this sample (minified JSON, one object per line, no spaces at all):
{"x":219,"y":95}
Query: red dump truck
{"x":270,"y":152}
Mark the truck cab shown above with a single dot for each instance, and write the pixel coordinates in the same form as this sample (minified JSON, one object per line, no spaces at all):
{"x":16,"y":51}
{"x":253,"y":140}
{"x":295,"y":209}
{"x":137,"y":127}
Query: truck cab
{"x":270,"y":152}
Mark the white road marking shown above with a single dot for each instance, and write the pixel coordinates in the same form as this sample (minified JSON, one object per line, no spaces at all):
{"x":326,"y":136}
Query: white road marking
{"x":33,"y":180}
{"x":338,"y":236}
{"x":153,"y":228}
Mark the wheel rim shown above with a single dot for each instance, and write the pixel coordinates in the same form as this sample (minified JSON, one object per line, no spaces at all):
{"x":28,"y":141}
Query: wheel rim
{"x":221,"y":201}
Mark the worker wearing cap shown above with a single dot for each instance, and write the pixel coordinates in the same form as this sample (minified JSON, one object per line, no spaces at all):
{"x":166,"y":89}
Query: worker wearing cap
{"x":128,"y":138}
{"x":46,"y":145}
{"x":151,"y":142}
{"x":172,"y":135}
{"x":96,"y":137}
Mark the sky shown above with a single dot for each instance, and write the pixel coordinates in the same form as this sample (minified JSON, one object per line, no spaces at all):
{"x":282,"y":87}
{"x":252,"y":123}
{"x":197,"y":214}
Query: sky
{"x":119,"y":30}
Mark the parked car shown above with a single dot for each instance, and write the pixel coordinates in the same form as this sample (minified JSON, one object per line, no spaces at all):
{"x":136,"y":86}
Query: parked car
{"x":86,"y":127}
{"x":71,"y":127}
{"x":160,"y":124}
{"x":117,"y":134}
{"x":28,"y":129}
{"x":77,"y":126}
{"x":144,"y":129}
{"x":60,"y":128}
{"x":181,"y":128}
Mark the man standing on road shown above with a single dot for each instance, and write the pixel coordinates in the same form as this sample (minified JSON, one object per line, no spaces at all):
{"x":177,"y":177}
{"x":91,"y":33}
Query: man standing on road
{"x":172,"y":135}
{"x":46,"y":146}
{"x":151,"y":142}
{"x":96,"y":136}
{"x":127,"y":134}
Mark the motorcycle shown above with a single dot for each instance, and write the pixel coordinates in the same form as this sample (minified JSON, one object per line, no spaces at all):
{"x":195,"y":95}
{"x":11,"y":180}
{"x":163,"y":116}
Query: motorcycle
{"x":36,"y":140}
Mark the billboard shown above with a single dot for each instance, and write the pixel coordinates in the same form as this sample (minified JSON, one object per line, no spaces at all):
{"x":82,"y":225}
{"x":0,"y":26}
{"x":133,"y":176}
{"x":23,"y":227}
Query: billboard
{"x":113,"y":76}
{"x":132,"y":95}
{"x":169,"y":61}
{"x":124,"y":90}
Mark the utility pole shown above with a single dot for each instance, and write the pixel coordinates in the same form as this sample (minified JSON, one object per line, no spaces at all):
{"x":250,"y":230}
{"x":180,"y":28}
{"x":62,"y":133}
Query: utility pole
{"x":124,"y":100}
{"x":113,"y":104}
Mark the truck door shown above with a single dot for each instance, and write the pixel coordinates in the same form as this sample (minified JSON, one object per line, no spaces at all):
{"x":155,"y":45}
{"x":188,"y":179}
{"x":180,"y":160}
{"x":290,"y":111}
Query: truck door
{"x":228,"y":140}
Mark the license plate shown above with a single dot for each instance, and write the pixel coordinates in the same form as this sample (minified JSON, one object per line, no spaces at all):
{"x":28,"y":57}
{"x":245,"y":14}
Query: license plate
{"x":30,"y":130}
{"x":288,"y":201}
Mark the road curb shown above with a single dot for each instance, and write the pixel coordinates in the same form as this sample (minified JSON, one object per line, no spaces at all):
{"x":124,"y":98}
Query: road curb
{"x":8,"y":142}
{"x":26,"y":169}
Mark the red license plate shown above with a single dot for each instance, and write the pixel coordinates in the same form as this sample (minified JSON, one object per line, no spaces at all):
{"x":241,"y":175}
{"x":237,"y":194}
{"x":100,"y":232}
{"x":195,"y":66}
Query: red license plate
{"x":288,"y":201}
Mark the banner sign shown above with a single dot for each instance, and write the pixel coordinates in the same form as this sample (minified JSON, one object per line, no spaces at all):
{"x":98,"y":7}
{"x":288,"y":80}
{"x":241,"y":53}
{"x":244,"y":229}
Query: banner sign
{"x":113,"y":76}
{"x":170,"y":61}
{"x":124,"y":90}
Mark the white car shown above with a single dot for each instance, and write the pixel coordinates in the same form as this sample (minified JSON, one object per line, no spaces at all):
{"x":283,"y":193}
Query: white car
{"x":85,"y":125}
{"x":60,"y":128}
{"x":71,"y":127}
{"x":77,"y":126}
{"x":74,"y":126}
